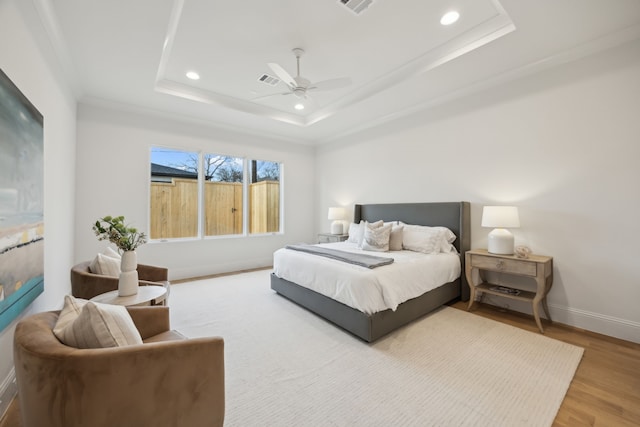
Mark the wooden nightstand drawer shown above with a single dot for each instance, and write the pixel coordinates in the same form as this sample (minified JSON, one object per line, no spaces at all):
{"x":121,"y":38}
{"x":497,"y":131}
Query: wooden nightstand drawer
{"x":511,"y":266}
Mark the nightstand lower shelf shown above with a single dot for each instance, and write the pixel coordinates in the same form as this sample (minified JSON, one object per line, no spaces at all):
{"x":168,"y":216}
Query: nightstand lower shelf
{"x":485,"y":287}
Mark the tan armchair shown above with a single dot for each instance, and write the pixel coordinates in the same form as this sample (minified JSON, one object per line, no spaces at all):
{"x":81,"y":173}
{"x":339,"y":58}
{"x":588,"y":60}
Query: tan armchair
{"x":86,"y":285}
{"x":167,"y":381}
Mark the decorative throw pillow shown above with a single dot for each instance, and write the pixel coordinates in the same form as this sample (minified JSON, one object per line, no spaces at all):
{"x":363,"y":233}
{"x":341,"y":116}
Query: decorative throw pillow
{"x":395,"y":238}
{"x":106,"y":263}
{"x":376,"y":238}
{"x":101,"y":326}
{"x":364,"y":225}
{"x":70,"y":311}
{"x":356,"y":231}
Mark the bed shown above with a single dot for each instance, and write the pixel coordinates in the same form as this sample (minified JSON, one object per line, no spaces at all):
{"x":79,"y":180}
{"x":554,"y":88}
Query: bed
{"x":369,"y":327}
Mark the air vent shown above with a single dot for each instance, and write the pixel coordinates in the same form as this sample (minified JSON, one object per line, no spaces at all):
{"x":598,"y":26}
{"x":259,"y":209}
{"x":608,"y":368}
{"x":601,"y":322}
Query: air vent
{"x":356,"y":6}
{"x":269,"y":80}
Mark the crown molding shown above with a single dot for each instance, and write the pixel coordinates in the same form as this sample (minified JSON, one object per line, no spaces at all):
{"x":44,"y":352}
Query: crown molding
{"x":51,"y":26}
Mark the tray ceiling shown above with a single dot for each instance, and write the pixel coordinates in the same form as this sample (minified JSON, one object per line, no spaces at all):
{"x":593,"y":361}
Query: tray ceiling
{"x":398,"y":55}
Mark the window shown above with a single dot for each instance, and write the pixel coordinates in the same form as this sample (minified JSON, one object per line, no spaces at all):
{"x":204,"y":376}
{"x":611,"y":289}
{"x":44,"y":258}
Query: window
{"x":224,"y":185}
{"x":174,"y":194}
{"x":264,"y":197}
{"x":224,"y":178}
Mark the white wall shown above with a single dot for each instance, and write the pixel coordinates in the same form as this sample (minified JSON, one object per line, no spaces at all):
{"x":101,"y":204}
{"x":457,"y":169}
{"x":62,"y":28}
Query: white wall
{"x":27,"y":63}
{"x":113,"y":175}
{"x":563,"y":146}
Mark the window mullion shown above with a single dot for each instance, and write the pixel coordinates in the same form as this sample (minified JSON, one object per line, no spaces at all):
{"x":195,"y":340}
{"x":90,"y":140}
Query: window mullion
{"x":201,"y":207}
{"x":245,"y":196}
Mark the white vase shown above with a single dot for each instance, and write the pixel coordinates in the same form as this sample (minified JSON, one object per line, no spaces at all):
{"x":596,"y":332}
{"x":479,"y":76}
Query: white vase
{"x":128,"y":282}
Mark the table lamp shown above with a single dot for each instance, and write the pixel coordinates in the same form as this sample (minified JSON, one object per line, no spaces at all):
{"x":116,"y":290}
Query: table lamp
{"x":500,"y":218}
{"x":336,"y":215}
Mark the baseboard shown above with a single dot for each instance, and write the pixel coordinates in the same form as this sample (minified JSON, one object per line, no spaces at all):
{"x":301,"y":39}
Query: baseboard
{"x":595,"y":322}
{"x":8,"y":391}
{"x":607,"y":325}
{"x":179,"y":274}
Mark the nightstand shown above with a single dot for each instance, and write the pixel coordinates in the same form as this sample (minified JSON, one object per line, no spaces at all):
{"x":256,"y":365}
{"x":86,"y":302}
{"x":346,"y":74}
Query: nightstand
{"x":331,"y":238}
{"x":537,"y":267}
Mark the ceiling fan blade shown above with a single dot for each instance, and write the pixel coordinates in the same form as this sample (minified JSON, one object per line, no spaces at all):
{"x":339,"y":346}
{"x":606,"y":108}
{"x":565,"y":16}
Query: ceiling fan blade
{"x":270,"y":95}
{"x":282,"y":74}
{"x":331,"y":84}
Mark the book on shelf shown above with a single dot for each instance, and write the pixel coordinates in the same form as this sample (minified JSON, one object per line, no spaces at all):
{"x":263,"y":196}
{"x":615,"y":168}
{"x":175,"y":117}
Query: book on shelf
{"x":505,"y":290}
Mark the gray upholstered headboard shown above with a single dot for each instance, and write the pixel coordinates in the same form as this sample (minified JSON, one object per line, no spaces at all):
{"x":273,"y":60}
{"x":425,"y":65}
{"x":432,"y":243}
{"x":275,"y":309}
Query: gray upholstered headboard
{"x":456,"y":216}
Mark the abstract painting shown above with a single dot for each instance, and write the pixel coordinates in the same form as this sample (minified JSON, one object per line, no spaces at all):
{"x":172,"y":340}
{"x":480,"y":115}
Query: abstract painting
{"x":21,"y":202}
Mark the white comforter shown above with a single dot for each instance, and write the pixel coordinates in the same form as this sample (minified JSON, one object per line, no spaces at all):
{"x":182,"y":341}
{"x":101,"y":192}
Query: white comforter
{"x":368,"y":290}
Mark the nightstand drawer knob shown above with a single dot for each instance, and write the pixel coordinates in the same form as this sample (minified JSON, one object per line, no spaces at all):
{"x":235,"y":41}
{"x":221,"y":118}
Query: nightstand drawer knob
{"x":500,"y":264}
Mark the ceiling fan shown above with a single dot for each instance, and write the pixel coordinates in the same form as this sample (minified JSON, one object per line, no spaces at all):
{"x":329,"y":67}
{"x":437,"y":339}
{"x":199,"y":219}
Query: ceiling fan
{"x":299,"y":86}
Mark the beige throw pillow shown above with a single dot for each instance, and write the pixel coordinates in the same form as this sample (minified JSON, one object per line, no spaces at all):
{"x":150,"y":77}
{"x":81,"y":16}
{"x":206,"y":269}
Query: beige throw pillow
{"x":376,"y":238}
{"x":106,"y":263}
{"x":70,"y":311}
{"x":395,"y":238}
{"x":99,"y":326}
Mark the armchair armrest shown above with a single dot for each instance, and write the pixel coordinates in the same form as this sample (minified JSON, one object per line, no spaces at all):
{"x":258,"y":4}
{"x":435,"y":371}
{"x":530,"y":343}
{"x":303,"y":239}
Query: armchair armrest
{"x":150,"y":321}
{"x":152,"y":273}
{"x":87,"y":285}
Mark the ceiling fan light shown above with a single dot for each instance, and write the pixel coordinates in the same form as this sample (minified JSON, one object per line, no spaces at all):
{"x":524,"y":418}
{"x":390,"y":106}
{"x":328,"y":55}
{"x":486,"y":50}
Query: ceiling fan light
{"x":193,"y":75}
{"x":449,"y":18}
{"x":299,"y":106}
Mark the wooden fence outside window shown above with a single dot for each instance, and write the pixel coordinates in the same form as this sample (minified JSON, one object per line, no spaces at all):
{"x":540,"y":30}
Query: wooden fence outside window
{"x":174,"y":208}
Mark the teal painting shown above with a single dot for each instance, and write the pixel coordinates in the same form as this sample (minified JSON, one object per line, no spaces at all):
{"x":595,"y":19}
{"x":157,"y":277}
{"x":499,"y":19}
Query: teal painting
{"x":21,"y":202}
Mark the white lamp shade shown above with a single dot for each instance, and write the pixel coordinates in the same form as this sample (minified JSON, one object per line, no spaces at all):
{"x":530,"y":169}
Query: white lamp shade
{"x":500,"y":217}
{"x":336,"y":213}
{"x":500,"y":240}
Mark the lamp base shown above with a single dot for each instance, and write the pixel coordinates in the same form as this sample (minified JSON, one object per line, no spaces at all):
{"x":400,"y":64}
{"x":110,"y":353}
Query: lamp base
{"x":500,"y":242}
{"x":336,"y":227}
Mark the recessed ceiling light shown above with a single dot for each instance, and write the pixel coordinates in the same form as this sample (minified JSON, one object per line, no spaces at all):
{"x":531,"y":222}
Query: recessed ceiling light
{"x":449,"y":18}
{"x":193,"y":75}
{"x":299,"y":106}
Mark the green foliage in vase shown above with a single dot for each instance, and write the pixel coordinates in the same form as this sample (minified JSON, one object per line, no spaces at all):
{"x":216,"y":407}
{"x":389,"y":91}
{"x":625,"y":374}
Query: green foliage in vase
{"x":117,"y":232}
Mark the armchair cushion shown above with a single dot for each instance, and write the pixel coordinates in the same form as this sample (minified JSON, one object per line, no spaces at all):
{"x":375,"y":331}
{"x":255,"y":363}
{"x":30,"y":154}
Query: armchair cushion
{"x":70,"y":312}
{"x":96,"y":326}
{"x":106,"y":263}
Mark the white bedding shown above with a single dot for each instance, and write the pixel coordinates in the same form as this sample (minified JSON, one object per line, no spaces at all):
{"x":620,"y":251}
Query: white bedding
{"x":368,"y":290}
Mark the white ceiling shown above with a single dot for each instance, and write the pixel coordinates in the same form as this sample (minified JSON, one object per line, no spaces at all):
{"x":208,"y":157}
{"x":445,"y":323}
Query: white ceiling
{"x":134,"y":54}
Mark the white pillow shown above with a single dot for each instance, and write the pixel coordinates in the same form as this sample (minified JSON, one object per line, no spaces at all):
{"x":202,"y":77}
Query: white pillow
{"x":111,"y":253}
{"x":107,"y":263}
{"x":100,"y":326}
{"x":354,"y":232}
{"x":376,"y":238}
{"x":70,"y":311}
{"x":428,"y":240}
{"x":395,"y":238}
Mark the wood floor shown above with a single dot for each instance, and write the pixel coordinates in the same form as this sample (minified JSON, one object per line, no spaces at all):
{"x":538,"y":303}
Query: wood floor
{"x":606,"y":388}
{"x":604,"y":392}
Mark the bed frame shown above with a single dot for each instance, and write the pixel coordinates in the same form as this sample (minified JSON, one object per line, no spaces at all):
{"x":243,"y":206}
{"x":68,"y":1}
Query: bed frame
{"x":370,"y":327}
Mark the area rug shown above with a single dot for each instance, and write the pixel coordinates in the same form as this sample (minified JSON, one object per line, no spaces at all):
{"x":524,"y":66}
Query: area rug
{"x":285,"y":366}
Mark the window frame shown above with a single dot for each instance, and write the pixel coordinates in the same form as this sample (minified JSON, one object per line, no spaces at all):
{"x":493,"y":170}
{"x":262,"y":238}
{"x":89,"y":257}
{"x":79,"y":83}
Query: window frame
{"x":201,"y":219}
